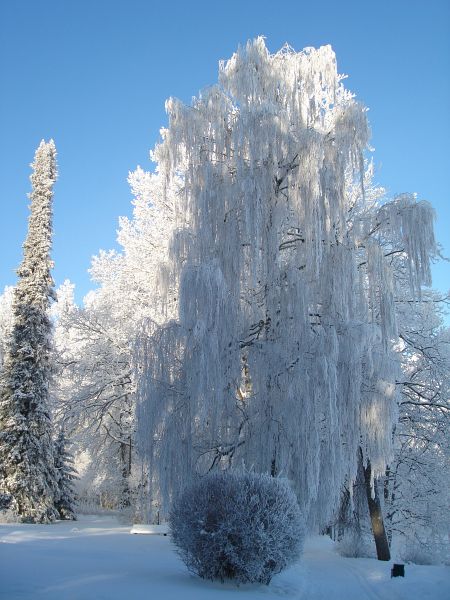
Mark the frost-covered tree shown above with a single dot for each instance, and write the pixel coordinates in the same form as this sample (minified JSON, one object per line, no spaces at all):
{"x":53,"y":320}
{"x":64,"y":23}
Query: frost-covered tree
{"x":414,"y":491}
{"x":95,"y":393}
{"x":416,"y":483}
{"x":65,"y":500}
{"x":281,"y":355}
{"x":27,"y":470}
{"x":6,"y":319}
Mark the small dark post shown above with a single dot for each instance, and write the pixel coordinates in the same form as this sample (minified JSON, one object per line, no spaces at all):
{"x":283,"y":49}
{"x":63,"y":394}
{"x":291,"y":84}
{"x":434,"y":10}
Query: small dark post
{"x":398,"y":570}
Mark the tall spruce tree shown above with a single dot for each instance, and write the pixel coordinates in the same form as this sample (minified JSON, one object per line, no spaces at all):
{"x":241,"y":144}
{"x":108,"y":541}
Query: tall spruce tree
{"x":27,"y":470}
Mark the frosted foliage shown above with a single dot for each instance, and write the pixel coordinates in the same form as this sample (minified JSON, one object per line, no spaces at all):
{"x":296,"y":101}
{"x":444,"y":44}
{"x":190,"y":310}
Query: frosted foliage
{"x":64,"y":299}
{"x":6,"y":319}
{"x":417,"y":485}
{"x":146,"y":269}
{"x":239,"y":526}
{"x":167,"y":466}
{"x":410,"y":224}
{"x":94,"y":387}
{"x":380,"y":291}
{"x":141,"y":274}
{"x":286,"y":315}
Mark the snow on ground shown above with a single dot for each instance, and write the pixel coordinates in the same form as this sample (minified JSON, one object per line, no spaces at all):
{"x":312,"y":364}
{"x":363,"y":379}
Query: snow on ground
{"x":96,"y":558}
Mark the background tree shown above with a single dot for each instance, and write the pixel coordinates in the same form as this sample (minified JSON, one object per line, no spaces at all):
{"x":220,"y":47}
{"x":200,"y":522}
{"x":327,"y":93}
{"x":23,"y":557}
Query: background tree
{"x":414,"y":489}
{"x":95,"y":390}
{"x":416,"y":483}
{"x":64,"y":463}
{"x":27,"y":470}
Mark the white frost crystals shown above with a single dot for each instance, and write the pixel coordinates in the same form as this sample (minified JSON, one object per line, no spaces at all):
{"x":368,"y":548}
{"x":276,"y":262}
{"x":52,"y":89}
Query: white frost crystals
{"x":280,"y":354}
{"x":240,"y":526}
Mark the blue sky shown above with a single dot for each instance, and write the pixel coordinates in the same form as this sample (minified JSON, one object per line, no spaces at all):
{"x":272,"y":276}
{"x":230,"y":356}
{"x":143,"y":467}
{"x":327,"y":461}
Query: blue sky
{"x":94,"y":75}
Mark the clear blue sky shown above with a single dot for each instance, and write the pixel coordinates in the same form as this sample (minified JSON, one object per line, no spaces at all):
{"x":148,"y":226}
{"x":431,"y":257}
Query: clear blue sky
{"x":94,"y":75}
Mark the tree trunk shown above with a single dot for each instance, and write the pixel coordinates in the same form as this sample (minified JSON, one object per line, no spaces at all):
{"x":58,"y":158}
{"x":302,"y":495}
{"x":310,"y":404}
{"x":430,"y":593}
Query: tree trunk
{"x":376,"y":516}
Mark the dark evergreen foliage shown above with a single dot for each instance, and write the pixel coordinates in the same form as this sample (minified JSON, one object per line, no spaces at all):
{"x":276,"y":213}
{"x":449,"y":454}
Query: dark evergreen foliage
{"x":27,"y":470}
{"x":64,"y":463}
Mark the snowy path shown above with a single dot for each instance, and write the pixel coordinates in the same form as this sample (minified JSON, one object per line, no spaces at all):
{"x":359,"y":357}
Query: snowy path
{"x":96,"y":558}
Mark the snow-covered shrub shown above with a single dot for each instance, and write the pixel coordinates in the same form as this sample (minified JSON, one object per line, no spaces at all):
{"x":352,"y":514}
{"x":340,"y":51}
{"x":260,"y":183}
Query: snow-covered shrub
{"x":237,"y":525}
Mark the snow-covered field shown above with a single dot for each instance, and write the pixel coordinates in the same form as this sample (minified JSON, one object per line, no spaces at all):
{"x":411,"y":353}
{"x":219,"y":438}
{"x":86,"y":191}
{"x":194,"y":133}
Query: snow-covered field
{"x":97,"y":558}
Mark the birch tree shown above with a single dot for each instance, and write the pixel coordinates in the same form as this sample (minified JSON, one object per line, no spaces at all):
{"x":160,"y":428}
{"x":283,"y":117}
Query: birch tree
{"x":414,"y":491}
{"x":281,"y":355}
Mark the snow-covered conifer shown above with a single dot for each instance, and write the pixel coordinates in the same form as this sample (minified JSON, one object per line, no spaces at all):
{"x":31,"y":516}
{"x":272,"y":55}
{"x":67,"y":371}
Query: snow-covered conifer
{"x":64,"y":464}
{"x":27,"y":468}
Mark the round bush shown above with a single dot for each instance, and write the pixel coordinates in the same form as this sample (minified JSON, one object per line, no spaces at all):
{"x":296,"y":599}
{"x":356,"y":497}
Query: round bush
{"x":241,"y":526}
